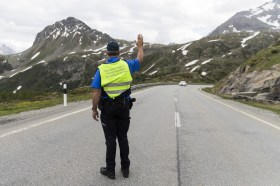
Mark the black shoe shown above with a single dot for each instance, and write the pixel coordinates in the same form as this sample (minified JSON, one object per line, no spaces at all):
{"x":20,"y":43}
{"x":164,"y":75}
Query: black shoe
{"x":109,"y":174}
{"x":125,"y":173}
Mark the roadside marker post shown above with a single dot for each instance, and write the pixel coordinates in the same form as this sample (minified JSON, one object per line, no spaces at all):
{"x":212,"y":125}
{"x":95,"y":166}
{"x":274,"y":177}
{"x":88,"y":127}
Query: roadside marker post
{"x":65,"y":94}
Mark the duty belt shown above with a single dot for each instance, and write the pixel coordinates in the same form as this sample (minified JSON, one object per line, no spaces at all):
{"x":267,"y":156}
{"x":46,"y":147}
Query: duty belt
{"x":120,"y":100}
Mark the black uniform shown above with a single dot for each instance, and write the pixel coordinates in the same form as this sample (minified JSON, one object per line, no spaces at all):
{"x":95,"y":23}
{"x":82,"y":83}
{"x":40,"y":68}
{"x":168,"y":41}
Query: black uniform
{"x":115,"y":121}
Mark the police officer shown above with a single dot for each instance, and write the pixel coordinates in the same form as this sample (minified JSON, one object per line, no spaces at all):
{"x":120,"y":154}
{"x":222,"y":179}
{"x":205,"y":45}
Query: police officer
{"x":111,"y":93}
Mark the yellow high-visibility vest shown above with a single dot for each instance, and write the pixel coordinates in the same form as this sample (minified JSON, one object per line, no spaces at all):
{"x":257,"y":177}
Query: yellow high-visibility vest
{"x":115,"y":78}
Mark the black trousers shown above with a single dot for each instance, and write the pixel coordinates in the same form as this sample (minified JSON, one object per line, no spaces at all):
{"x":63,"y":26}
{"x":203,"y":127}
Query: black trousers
{"x":115,"y":122}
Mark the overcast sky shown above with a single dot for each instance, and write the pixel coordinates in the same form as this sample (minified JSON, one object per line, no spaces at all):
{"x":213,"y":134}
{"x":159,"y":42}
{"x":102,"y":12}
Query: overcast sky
{"x":160,"y":21}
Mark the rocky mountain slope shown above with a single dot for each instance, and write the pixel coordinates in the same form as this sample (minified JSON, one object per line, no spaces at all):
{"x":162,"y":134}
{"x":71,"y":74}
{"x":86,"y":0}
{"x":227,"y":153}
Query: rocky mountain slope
{"x":259,"y":76}
{"x":207,"y":60}
{"x":67,"y":51}
{"x":64,"y":37}
{"x":263,"y":18}
{"x":56,"y":57}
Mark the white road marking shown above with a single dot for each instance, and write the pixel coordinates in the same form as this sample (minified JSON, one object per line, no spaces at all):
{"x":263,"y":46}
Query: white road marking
{"x":41,"y":123}
{"x":175,"y":99}
{"x":53,"y":119}
{"x":143,"y":91}
{"x":177,"y":120}
{"x":254,"y":117}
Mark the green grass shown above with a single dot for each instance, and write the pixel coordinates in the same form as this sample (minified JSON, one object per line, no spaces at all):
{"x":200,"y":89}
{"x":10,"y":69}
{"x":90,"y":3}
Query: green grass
{"x":267,"y":106}
{"x":272,"y":107}
{"x":51,"y":99}
{"x":265,"y":59}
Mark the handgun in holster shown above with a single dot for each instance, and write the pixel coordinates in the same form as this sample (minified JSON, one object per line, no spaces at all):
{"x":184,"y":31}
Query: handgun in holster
{"x":131,"y":100}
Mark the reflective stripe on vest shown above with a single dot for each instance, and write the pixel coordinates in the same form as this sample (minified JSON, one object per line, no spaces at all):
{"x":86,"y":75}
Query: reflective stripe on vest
{"x":115,"y":78}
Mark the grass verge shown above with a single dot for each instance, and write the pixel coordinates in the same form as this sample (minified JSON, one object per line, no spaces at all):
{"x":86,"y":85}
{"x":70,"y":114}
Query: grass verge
{"x":51,"y":99}
{"x":267,"y":106}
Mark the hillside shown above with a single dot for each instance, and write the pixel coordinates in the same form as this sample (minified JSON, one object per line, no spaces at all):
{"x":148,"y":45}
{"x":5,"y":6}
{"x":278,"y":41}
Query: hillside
{"x":69,"y":51}
{"x":260,"y":74}
{"x":207,"y":60}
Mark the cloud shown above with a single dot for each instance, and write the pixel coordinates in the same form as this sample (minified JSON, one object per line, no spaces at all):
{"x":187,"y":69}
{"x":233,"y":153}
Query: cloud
{"x":160,"y":21}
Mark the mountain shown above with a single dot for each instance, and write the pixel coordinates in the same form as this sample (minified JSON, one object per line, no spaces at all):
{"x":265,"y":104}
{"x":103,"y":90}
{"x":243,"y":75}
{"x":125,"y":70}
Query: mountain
{"x":5,"y":50}
{"x":207,"y":60}
{"x":70,"y":51}
{"x":263,"y":18}
{"x":67,"y":36}
{"x":260,"y":75}
{"x":61,"y":41}
{"x":67,"y":51}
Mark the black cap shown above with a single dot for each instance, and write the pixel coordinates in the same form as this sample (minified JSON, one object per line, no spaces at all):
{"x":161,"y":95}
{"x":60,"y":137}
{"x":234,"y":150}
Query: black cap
{"x":113,"y":47}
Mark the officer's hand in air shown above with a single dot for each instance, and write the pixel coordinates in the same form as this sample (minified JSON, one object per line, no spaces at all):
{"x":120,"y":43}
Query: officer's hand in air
{"x":139,"y":40}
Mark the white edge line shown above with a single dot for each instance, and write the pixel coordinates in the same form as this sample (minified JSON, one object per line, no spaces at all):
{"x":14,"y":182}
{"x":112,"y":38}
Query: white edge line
{"x":50,"y":120}
{"x":143,"y":91}
{"x":254,"y":117}
{"x":41,"y":123}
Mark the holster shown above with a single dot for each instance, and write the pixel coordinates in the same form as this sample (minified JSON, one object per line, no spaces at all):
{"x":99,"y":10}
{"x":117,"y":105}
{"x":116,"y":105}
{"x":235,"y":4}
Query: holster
{"x":131,"y":100}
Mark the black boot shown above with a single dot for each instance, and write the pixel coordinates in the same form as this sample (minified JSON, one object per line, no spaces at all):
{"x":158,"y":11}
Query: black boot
{"x":125,"y":173}
{"x":109,"y":174}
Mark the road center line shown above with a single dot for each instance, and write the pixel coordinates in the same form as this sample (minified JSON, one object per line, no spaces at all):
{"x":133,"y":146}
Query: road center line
{"x":177,"y":120}
{"x":53,"y":119}
{"x":254,"y":117}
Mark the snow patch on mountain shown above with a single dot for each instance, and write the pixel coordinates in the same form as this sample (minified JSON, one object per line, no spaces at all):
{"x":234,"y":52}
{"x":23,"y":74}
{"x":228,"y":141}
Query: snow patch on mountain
{"x":215,"y":40}
{"x":17,"y":89}
{"x":184,"y":47}
{"x":153,"y":72}
{"x":248,"y":38}
{"x":33,"y":57}
{"x":21,"y":71}
{"x":184,"y":52}
{"x":43,"y":61}
{"x":191,"y":63}
{"x":196,"y":67}
{"x":131,"y":50}
{"x":267,"y":19}
{"x":207,"y":61}
{"x":204,"y":73}
{"x":148,"y":68}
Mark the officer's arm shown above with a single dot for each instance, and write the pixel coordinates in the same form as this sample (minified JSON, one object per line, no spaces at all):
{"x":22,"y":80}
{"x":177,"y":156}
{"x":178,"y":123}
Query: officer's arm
{"x":95,"y":100}
{"x":140,"y":54}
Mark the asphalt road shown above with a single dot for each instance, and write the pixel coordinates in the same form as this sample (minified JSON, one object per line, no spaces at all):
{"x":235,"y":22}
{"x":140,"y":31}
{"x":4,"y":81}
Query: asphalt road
{"x":178,"y":136}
